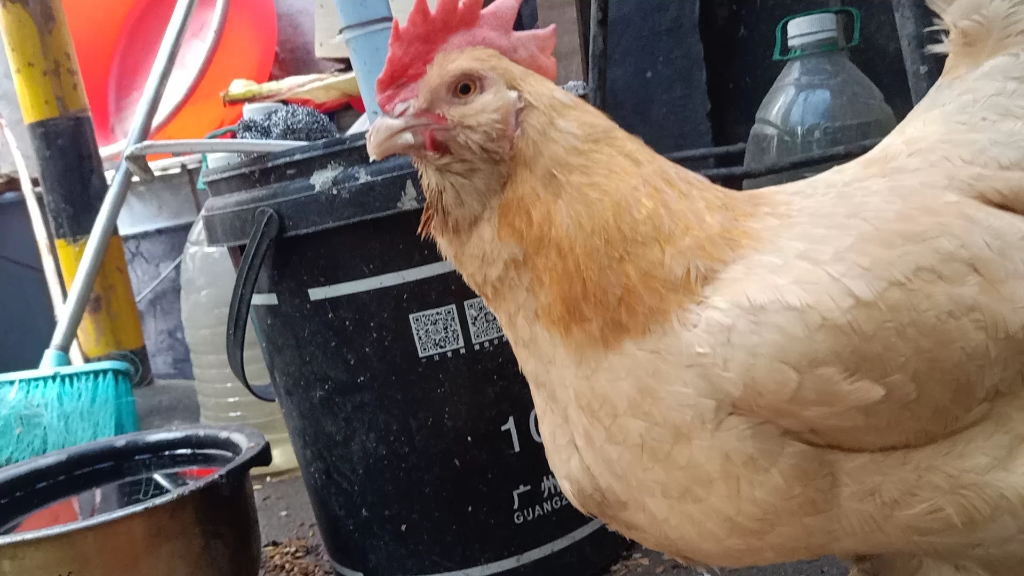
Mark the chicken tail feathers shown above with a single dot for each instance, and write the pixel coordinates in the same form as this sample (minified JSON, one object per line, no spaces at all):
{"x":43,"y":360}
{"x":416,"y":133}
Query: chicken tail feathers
{"x":976,"y":31}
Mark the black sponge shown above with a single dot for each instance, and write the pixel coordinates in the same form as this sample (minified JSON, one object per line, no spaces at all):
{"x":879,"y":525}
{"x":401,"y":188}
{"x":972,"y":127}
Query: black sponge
{"x":293,"y":122}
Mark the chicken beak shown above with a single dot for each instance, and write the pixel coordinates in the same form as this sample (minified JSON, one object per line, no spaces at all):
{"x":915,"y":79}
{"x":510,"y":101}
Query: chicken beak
{"x":390,"y":136}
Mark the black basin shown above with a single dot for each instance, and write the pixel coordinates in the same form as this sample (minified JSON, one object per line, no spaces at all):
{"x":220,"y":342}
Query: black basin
{"x":157,"y":503}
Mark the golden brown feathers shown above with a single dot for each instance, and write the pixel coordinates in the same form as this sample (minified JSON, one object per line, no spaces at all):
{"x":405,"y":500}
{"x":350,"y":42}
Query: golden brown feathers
{"x":616,"y":237}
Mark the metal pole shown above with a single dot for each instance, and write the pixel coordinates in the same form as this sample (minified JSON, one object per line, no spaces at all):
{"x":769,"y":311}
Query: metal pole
{"x":597,"y":76}
{"x":912,"y":17}
{"x":583,"y":30}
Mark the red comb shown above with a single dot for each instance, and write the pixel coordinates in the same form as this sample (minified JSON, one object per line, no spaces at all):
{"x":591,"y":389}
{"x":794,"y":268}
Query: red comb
{"x":455,"y":25}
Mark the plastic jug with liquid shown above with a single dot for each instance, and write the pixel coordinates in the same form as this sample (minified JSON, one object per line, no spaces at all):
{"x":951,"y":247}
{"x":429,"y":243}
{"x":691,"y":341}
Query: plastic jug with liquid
{"x":821,"y":100}
{"x":207,"y":277}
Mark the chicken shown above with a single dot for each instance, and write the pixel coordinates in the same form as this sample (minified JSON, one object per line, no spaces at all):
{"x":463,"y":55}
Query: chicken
{"x":831,"y":366}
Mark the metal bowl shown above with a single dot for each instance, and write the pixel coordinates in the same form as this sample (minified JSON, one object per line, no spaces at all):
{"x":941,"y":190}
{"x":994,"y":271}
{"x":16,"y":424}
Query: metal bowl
{"x":156,"y":503}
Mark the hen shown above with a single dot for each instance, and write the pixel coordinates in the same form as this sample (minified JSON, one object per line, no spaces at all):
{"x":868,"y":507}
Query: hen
{"x":832,"y":366}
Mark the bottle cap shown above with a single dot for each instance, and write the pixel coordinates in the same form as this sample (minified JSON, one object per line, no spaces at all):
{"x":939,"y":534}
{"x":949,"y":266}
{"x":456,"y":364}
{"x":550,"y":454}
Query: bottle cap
{"x":812,"y":28}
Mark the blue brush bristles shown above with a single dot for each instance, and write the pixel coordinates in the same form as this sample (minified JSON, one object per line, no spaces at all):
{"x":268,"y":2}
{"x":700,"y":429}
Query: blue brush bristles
{"x":50,"y":409}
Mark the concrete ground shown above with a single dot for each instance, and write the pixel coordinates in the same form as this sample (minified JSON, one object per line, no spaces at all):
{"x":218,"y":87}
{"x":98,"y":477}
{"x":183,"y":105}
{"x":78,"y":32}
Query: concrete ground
{"x":292,"y":544}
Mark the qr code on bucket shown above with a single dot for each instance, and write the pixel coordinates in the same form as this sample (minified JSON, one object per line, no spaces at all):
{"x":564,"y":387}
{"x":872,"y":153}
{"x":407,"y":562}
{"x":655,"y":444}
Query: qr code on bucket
{"x":483,"y":325}
{"x":436,"y":330}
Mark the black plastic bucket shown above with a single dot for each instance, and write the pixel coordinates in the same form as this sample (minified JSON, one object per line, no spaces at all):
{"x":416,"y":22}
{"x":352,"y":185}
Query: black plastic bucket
{"x":414,"y":429}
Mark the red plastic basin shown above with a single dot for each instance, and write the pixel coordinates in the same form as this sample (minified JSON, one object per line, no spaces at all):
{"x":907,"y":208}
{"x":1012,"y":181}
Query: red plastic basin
{"x":116,"y":43}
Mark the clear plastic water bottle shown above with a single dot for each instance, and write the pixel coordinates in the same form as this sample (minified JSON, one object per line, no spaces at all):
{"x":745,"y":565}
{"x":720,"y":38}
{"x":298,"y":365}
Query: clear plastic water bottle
{"x":820,"y":101}
{"x":207,"y":277}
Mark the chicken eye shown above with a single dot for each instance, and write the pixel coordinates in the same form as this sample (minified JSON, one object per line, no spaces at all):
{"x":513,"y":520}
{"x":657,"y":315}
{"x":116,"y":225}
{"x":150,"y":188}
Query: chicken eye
{"x":465,"y":89}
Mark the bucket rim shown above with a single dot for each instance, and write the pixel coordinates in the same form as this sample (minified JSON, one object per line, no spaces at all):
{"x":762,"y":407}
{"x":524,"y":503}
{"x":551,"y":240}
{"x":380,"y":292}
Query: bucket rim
{"x":337,"y":194}
{"x":282,"y":158}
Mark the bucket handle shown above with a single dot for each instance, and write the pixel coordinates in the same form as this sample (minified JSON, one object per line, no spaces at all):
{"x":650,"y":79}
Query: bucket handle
{"x":266,"y":228}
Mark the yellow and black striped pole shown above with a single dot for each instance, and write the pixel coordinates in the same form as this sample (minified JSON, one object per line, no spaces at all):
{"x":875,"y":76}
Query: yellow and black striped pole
{"x":56,"y":112}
